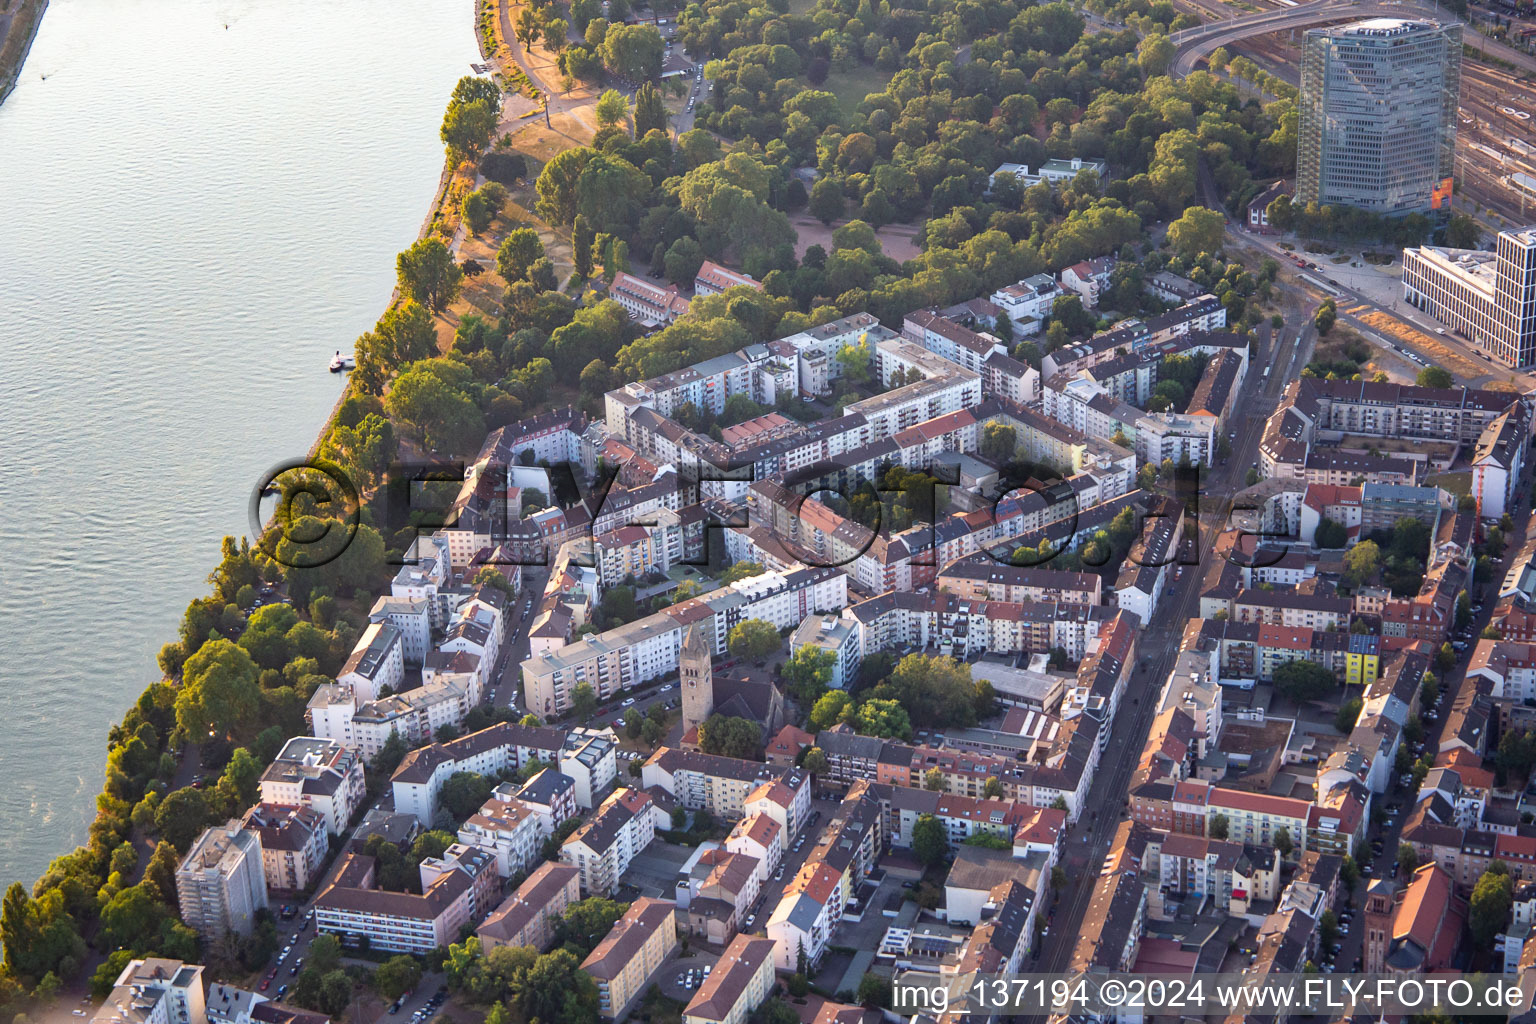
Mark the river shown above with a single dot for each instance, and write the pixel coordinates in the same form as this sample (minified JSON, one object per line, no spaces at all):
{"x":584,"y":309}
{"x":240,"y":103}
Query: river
{"x":200,"y":201}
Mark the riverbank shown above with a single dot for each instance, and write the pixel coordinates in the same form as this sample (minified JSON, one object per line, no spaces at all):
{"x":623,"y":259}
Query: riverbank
{"x":19,"y":21}
{"x":257,"y":363}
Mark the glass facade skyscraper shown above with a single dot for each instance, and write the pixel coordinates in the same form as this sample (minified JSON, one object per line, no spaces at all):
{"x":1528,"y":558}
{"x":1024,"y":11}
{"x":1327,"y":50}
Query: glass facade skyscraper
{"x":1378,"y":114}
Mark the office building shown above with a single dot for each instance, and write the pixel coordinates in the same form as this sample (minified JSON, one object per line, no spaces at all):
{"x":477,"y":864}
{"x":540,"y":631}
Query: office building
{"x":1378,"y":115}
{"x":1487,"y":297}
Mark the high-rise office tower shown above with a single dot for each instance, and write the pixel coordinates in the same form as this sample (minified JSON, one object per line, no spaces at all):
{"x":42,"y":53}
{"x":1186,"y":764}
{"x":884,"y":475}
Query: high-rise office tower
{"x":1378,"y":115}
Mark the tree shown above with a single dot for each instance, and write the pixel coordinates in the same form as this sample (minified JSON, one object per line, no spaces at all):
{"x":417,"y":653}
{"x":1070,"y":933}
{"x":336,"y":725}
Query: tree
{"x":396,"y":976}
{"x":181,"y":817}
{"x":428,"y":274}
{"x":815,"y":761}
{"x":828,"y":710}
{"x":613,"y":109}
{"x":586,"y":922}
{"x":730,"y":736}
{"x":650,"y":112}
{"x":557,"y":989}
{"x":468,"y":127}
{"x":557,"y":182}
{"x":998,"y":442}
{"x":1303,"y":681}
{"x":1407,"y":857}
{"x":1361,"y":562}
{"x":930,"y":845}
{"x":430,"y":399}
{"x":240,"y":784}
{"x":884,"y":718}
{"x":1348,"y":715}
{"x":583,"y":701}
{"x":1492,"y":898}
{"x":827,"y":200}
{"x":807,"y":674}
{"x":1435,"y":377}
{"x":1282,"y":841}
{"x":1220,"y":826}
{"x":1330,"y":534}
{"x":518,"y":253}
{"x":1198,"y":231}
{"x":1461,"y":232}
{"x":1327,"y":315}
{"x":1154,"y":54}
{"x":632,"y":51}
{"x":874,"y":992}
{"x":753,"y":640}
{"x":483,"y":205}
{"x":219,"y":690}
{"x":581,"y":247}
{"x":934,"y":780}
{"x":464,"y":793}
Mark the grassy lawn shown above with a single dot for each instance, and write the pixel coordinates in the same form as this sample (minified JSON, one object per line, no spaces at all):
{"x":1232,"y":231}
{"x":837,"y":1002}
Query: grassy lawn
{"x":1456,"y":483}
{"x":852,"y":86}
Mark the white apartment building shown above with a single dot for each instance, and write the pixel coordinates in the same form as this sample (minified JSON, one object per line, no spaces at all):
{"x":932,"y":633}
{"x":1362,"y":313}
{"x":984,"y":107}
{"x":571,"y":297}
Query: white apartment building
{"x":648,"y":303}
{"x":589,"y":759}
{"x":603,"y":848}
{"x":377,"y":661}
{"x":412,"y":617}
{"x":647,"y":648}
{"x":155,"y":991}
{"x":320,"y":774}
{"x":1488,"y":297}
{"x":1029,"y":302}
{"x":943,"y":337}
{"x":414,"y":715}
{"x":550,"y":795}
{"x":419,"y":779}
{"x":293,"y":844}
{"x":221,"y":883}
{"x":507,"y":829}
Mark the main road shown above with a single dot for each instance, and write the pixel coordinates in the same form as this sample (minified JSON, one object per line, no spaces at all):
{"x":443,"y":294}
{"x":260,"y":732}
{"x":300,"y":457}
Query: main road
{"x":1158,"y":648}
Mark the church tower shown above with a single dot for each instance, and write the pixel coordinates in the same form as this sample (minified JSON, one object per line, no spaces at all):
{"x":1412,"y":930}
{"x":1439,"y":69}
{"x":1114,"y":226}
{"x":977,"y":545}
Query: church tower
{"x":694,"y":678}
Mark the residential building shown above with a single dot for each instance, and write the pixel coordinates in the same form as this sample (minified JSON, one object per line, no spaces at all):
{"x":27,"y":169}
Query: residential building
{"x":528,"y":916}
{"x":221,"y":883}
{"x":712,"y":279}
{"x":502,"y":747}
{"x":377,"y":662}
{"x":155,"y":991}
{"x":457,"y":890}
{"x":631,"y":954}
{"x":320,"y":774}
{"x":293,"y":844}
{"x":740,"y":982}
{"x":506,"y":829}
{"x":650,"y":304}
{"x":602,"y":849}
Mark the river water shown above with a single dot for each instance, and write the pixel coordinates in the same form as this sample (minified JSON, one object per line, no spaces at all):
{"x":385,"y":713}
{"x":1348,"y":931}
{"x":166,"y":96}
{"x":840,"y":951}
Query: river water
{"x":200,"y":201}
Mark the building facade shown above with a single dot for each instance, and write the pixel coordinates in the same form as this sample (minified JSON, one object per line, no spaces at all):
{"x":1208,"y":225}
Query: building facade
{"x":1378,"y":115}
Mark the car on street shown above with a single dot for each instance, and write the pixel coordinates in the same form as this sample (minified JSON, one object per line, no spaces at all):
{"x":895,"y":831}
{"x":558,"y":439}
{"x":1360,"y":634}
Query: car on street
{"x":627,"y":702}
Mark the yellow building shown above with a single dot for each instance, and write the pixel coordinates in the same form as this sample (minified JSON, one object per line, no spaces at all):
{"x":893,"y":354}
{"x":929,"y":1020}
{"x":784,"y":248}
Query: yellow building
{"x":624,"y":963}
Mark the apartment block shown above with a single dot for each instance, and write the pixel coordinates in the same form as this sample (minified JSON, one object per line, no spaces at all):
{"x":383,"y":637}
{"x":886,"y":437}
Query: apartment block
{"x":221,"y":883}
{"x":624,"y":963}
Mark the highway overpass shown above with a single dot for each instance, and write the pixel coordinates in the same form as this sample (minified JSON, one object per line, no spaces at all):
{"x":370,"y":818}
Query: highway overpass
{"x":1193,"y":44}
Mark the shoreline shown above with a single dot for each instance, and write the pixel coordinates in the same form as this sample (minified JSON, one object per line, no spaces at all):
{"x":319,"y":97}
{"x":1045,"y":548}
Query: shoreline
{"x":444,"y":183}
{"x":434,"y":208}
{"x":11,"y":74}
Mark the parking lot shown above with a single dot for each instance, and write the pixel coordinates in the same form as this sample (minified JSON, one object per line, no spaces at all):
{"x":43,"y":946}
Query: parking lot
{"x":682,"y":978}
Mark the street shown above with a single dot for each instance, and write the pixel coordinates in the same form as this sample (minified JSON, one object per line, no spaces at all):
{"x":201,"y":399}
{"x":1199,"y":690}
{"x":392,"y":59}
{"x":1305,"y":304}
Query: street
{"x":1159,"y":644}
